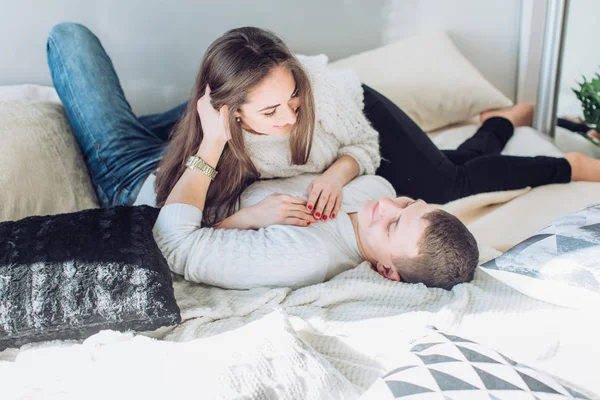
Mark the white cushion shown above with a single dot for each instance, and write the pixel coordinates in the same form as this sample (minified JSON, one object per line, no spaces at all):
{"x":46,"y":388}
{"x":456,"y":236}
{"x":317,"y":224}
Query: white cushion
{"x":29,"y":92}
{"x":42,"y":170}
{"x":443,"y":366}
{"x":560,"y":264}
{"x":428,"y":78}
{"x":264,"y":359}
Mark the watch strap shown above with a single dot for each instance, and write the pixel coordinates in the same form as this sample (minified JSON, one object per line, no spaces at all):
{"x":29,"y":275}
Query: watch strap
{"x":195,"y":162}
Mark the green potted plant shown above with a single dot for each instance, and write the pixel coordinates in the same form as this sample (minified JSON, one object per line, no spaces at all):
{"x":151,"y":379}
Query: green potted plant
{"x":589,"y":96}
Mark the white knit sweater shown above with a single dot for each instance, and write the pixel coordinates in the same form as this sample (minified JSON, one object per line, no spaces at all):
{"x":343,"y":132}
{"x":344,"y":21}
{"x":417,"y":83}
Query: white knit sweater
{"x":277,"y":256}
{"x":340,"y":129}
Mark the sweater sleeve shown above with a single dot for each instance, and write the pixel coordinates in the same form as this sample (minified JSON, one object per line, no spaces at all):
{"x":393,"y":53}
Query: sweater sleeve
{"x":363,"y":146}
{"x":339,"y":100}
{"x":358,"y":138}
{"x":238,"y":259}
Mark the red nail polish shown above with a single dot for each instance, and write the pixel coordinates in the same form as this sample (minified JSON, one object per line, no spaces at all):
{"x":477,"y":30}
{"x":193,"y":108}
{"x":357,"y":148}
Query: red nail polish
{"x":318,"y":214}
{"x":307,"y":222}
{"x":310,"y":207}
{"x":332,"y":215}
{"x":324,"y":217}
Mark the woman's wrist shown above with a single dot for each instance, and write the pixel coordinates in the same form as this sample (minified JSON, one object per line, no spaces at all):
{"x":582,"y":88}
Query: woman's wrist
{"x":210,"y":150}
{"x":335,"y":177}
{"x":246,"y":218}
{"x":343,"y":170}
{"x":242,"y":219}
{"x":192,"y":186}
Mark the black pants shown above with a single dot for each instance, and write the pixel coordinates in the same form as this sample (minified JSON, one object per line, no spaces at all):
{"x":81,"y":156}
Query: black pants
{"x":572,"y":126}
{"x":418,"y":169}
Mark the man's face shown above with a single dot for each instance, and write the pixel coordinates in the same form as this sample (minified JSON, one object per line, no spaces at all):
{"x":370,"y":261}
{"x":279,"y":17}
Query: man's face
{"x":391,"y":228}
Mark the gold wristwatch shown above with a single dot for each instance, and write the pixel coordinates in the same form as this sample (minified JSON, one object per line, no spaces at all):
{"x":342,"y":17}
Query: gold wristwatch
{"x":195,"y":162}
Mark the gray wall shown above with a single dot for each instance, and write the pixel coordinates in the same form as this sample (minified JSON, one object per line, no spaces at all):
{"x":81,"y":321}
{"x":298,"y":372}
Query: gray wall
{"x":157,"y":45}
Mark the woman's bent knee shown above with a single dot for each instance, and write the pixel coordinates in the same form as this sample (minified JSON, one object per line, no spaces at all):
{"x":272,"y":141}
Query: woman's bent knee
{"x":69,"y":34}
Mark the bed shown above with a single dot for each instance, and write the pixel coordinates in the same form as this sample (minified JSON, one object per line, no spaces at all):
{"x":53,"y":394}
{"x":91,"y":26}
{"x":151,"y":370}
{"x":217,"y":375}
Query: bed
{"x":357,"y":322}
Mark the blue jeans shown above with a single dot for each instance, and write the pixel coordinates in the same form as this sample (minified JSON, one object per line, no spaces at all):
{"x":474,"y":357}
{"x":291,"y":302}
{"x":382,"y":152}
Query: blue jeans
{"x":120,"y":149}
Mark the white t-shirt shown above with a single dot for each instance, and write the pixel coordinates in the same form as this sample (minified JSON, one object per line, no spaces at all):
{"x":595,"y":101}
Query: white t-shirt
{"x":276,"y":256}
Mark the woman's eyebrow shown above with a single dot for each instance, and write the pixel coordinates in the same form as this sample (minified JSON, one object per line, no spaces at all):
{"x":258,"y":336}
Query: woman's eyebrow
{"x":266,"y":108}
{"x":277,"y":105}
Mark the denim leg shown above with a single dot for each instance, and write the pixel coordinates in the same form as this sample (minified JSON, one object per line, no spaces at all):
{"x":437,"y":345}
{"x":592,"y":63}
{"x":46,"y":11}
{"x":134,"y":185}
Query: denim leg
{"x":162,"y":124}
{"x":119,"y":151}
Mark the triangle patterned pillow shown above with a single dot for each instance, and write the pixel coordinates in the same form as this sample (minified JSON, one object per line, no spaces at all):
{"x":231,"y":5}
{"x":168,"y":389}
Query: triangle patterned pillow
{"x":444,"y":366}
{"x":560,"y":264}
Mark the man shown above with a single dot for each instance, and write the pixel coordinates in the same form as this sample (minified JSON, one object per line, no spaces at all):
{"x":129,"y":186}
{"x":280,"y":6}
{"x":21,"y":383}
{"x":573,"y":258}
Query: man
{"x":403,"y":239}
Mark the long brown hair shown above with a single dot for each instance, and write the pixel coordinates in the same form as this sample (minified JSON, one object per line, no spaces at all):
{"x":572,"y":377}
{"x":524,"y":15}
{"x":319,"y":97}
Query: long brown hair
{"x":232,"y":66}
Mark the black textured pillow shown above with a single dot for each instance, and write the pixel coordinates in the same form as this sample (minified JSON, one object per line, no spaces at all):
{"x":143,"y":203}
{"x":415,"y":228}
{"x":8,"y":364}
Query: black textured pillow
{"x":69,"y":276}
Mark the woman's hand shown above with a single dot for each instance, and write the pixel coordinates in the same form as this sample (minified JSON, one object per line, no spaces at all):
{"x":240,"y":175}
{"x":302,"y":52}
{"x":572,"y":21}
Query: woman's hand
{"x":192,"y":187}
{"x":324,"y":197}
{"x":278,"y":209}
{"x":215,"y":123}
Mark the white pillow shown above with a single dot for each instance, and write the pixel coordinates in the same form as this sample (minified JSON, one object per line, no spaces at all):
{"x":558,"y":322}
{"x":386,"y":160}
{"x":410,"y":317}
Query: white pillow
{"x":29,"y":92}
{"x":264,"y":359}
{"x":428,"y":78}
{"x":443,"y":366}
{"x":560,"y":264}
{"x":42,"y":170}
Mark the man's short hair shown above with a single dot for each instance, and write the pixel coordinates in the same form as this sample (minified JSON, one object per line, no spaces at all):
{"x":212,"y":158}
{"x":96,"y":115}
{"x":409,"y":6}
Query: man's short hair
{"x":448,"y":254}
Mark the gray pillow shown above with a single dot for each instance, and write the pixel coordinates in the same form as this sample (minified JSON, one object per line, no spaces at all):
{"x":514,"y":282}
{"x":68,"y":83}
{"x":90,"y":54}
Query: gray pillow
{"x":443,"y":366}
{"x":42,"y":170}
{"x":560,"y":264}
{"x":68,"y":276}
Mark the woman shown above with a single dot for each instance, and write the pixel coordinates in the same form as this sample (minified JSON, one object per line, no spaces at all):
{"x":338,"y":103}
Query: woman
{"x":272,"y":122}
{"x":285,"y":118}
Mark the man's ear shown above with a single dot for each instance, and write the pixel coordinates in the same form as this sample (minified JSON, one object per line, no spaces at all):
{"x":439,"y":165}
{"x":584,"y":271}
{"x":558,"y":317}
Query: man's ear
{"x":390,"y":273}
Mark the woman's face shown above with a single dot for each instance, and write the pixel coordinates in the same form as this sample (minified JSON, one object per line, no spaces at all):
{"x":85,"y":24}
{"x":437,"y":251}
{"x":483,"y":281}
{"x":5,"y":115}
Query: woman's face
{"x":272,"y":107}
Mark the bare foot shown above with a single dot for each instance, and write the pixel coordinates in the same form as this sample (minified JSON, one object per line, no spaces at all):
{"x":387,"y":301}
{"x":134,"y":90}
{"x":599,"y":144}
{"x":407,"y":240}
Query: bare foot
{"x":593,"y":133}
{"x":519,"y":114}
{"x":583,"y":168}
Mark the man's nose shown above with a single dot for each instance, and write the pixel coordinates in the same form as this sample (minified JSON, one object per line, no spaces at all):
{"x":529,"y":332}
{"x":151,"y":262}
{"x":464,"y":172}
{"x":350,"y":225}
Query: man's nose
{"x":387,"y":206}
